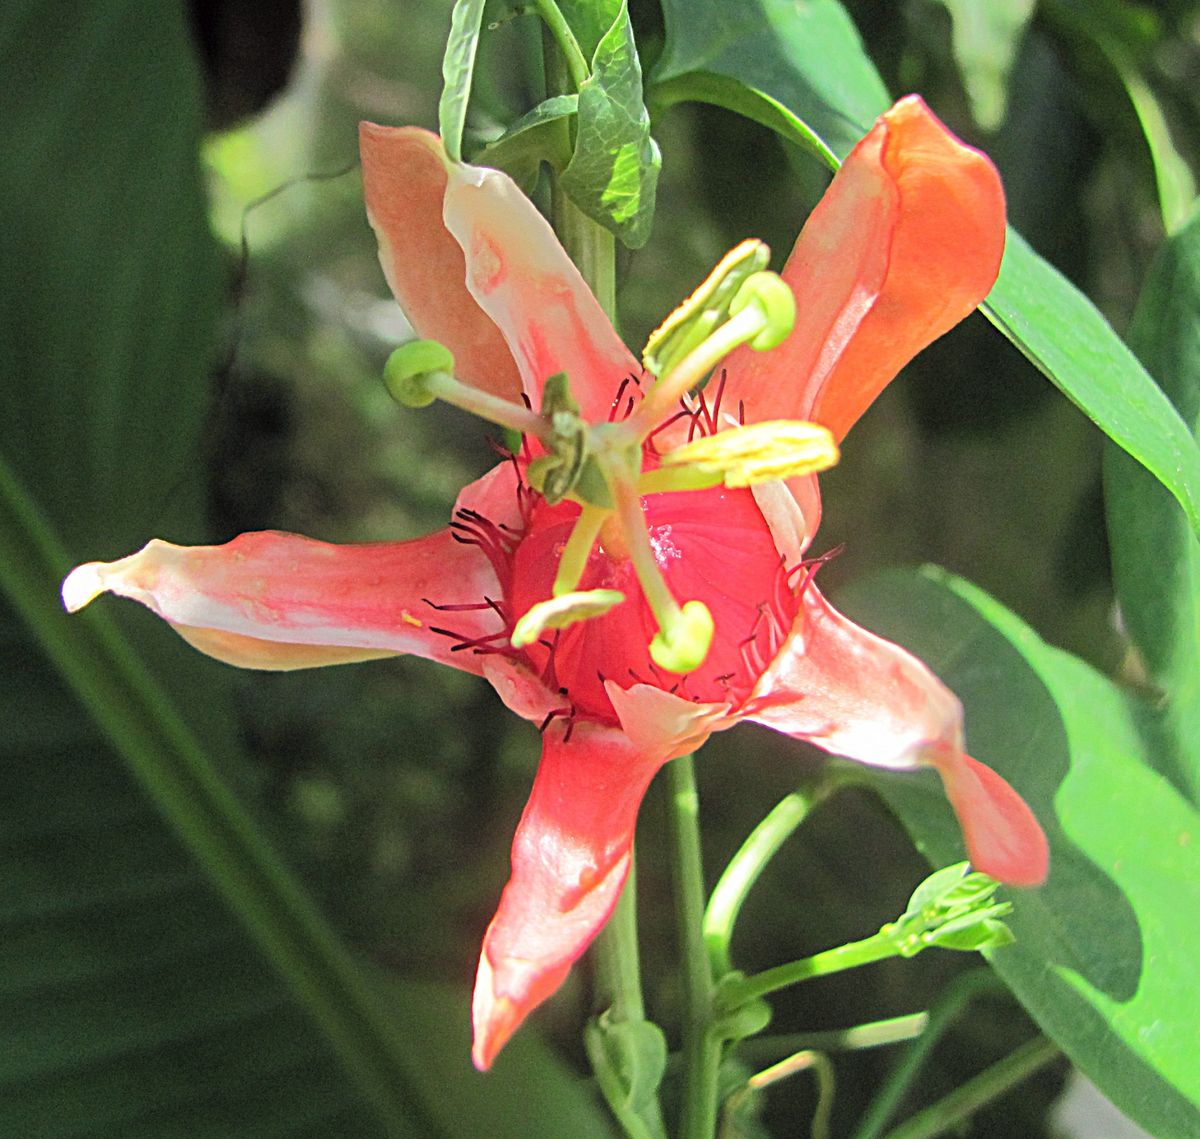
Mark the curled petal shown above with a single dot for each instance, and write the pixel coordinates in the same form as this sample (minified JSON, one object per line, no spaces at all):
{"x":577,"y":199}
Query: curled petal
{"x":405,"y":172}
{"x":905,"y":243}
{"x":1003,"y":838}
{"x":281,"y":601}
{"x":852,"y":693}
{"x":570,"y":859}
{"x":659,"y":721}
{"x":846,"y":690}
{"x":523,"y":279}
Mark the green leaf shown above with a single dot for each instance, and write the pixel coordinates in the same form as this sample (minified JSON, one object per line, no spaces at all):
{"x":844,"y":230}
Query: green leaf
{"x":1062,"y":334}
{"x":590,"y":20}
{"x":800,"y":67}
{"x":1155,"y":557}
{"x":807,"y":59}
{"x":132,"y":1002}
{"x":1100,"y":958}
{"x":1126,"y":36}
{"x":984,"y":39}
{"x":540,"y":135}
{"x":458,"y":69}
{"x":613,"y":172}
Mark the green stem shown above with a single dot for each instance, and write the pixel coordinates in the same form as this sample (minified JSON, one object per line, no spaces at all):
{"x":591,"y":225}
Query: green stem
{"x":572,"y":53}
{"x":743,"y":871}
{"x":961,"y":992}
{"x":618,"y":971}
{"x":874,"y":1034}
{"x":948,"y":1113}
{"x":878,"y":947}
{"x":701,"y":1045}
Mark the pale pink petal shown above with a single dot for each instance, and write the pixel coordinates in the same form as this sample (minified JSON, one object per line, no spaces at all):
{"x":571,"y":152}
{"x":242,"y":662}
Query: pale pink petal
{"x":853,"y":693}
{"x":525,"y":282}
{"x":905,"y":243}
{"x":404,"y":184}
{"x":1003,"y":837}
{"x":281,"y":601}
{"x":570,"y":859}
{"x":792,"y":511}
{"x":659,"y":721}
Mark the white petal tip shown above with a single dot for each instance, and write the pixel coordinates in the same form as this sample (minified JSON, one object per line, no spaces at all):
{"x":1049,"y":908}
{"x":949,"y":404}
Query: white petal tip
{"x":83,"y":585}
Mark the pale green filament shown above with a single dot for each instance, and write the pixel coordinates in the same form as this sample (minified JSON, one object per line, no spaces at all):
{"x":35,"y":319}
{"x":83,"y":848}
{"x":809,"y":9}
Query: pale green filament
{"x":684,"y":634}
{"x":761,"y":314}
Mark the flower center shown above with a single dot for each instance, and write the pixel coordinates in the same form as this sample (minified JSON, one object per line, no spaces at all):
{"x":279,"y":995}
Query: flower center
{"x":712,"y":544}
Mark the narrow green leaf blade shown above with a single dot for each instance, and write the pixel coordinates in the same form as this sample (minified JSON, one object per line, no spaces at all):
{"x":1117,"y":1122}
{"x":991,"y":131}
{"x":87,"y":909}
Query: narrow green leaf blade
{"x":985,"y":39}
{"x":1100,"y":958}
{"x":458,"y":69}
{"x":1063,"y":334}
{"x":613,"y":172}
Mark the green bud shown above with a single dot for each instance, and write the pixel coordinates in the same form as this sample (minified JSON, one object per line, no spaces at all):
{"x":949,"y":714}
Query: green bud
{"x":411,"y":370}
{"x":953,"y":909}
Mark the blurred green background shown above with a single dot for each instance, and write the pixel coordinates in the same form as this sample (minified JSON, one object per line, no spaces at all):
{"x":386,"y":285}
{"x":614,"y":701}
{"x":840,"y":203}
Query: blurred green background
{"x":193,"y":330}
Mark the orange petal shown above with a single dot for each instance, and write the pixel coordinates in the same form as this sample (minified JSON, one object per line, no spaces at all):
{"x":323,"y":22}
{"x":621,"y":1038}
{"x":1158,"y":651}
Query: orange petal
{"x":570,"y":859}
{"x":905,"y":243}
{"x":281,"y":601}
{"x":405,"y":172}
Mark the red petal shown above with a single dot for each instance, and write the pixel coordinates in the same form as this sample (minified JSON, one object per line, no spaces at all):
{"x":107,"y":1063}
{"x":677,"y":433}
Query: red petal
{"x":570,"y":859}
{"x":405,"y":172}
{"x":852,"y":693}
{"x":1003,"y":838}
{"x":905,"y":243}
{"x":280,"y":601}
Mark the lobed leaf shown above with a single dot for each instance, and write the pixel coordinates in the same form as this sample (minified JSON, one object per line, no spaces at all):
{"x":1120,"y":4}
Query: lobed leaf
{"x":1099,"y":957}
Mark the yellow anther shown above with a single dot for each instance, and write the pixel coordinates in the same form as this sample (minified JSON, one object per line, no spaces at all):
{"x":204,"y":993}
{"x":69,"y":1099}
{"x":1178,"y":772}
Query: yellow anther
{"x":762,"y":452}
{"x":705,"y":310}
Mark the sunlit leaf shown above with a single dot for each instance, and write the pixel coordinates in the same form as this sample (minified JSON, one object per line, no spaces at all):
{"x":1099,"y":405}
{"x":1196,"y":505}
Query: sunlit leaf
{"x":458,"y":69}
{"x":809,"y":60}
{"x":774,"y":60}
{"x":613,"y":171}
